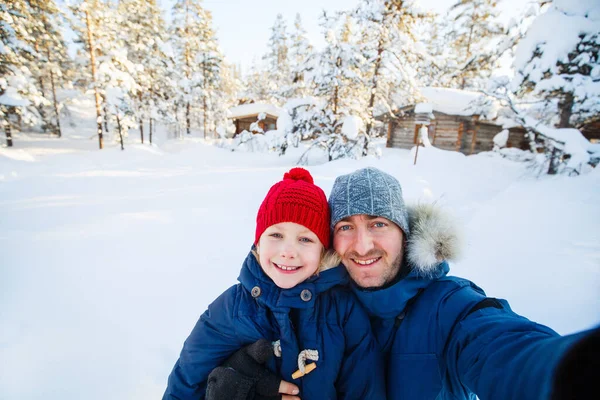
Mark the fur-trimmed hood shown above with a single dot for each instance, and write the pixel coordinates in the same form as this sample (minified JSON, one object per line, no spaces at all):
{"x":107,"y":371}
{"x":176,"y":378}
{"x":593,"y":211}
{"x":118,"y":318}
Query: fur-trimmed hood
{"x":434,"y":237}
{"x":433,"y":240}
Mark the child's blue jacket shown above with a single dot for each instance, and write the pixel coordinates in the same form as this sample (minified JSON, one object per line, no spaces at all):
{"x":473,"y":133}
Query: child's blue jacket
{"x":318,"y":314}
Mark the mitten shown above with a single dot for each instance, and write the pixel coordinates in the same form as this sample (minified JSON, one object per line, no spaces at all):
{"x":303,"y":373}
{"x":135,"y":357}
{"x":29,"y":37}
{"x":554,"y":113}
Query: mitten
{"x":243,"y":376}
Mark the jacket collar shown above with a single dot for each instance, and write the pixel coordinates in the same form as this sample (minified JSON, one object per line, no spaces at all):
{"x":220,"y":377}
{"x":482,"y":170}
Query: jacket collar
{"x":302,"y":295}
{"x":390,"y":301}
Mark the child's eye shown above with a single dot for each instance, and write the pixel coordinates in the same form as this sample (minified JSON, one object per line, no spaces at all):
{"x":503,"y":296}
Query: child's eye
{"x":276,"y":235}
{"x":306,"y":240}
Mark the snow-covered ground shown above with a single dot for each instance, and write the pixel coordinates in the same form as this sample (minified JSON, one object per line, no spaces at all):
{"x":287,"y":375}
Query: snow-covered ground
{"x":109,"y":257}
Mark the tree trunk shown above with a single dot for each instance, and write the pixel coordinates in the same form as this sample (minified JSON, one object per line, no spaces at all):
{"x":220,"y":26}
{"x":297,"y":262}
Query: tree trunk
{"x":565,"y":107}
{"x":56,"y":113}
{"x":120,"y":131}
{"x":150,"y":130}
{"x":105,"y":114}
{"x":187,"y":119}
{"x":7,"y":130}
{"x":142,"y":130}
{"x":93,"y":64}
{"x":553,"y":166}
{"x":204,"y":118}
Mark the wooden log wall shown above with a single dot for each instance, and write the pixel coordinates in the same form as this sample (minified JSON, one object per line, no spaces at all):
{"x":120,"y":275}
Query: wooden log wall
{"x":451,"y":132}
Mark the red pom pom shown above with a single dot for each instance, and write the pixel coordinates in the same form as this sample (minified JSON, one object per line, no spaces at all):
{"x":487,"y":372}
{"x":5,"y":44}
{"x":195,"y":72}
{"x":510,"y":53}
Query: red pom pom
{"x":299,"y":174}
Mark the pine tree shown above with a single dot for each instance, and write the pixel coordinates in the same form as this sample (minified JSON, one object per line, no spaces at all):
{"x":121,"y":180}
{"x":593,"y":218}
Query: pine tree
{"x":17,"y":83}
{"x":338,"y":74}
{"x":391,"y":51}
{"x":145,"y":32}
{"x":474,"y":32}
{"x":301,"y":53}
{"x":565,"y":67}
{"x":278,"y":66}
{"x":196,"y":55}
{"x":53,"y":65}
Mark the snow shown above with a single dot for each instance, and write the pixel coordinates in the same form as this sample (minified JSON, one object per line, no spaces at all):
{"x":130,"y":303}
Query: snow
{"x":11,"y":97}
{"x":109,"y":257}
{"x":458,"y":102}
{"x":424,"y":108}
{"x":246,"y":110}
{"x":501,"y":138}
{"x":351,"y":126}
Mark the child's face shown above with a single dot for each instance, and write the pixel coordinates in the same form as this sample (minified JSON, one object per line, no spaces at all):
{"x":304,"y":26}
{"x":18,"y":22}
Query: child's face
{"x":289,"y":253}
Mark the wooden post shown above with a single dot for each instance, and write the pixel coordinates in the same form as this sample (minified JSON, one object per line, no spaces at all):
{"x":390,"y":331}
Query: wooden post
{"x":434,"y":132}
{"x":417,"y":152}
{"x":389,"y":134}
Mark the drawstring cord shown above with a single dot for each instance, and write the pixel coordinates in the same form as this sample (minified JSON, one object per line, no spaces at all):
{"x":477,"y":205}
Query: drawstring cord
{"x":308,"y":354}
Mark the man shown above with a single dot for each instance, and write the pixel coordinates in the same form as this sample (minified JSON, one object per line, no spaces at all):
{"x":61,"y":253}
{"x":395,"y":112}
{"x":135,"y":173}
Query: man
{"x":442,"y":337}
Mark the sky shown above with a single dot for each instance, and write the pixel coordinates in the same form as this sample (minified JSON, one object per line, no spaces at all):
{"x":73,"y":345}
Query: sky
{"x":243,"y":27}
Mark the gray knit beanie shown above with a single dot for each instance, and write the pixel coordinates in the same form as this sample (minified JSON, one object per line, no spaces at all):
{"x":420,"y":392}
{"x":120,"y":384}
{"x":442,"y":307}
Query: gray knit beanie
{"x":368,"y":191}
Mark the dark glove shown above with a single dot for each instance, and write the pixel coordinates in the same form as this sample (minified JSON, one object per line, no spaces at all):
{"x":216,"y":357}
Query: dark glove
{"x":576,"y":376}
{"x":243,"y":376}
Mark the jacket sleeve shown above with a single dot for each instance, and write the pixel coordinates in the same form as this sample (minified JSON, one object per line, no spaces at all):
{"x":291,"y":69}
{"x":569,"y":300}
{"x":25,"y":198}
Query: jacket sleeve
{"x":362,"y":374}
{"x":498,"y":354}
{"x":212,"y":340}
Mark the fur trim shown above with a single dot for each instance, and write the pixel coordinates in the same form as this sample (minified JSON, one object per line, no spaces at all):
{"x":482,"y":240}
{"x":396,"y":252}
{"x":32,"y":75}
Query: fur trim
{"x":434,"y":237}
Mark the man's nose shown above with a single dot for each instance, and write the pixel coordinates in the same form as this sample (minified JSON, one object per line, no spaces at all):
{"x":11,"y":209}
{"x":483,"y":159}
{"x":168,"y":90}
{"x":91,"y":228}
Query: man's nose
{"x":363,"y":241}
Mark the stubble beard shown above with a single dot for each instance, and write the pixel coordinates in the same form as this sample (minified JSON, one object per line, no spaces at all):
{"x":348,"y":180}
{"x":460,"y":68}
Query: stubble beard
{"x":388,"y":274}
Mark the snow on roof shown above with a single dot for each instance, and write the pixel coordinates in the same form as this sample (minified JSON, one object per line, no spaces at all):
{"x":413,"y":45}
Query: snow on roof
{"x":246,"y":110}
{"x":423,"y":108}
{"x":459,"y":102}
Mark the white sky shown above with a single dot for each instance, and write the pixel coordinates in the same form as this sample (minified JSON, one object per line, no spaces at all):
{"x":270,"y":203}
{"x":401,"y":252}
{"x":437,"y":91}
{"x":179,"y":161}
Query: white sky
{"x":243,"y":27}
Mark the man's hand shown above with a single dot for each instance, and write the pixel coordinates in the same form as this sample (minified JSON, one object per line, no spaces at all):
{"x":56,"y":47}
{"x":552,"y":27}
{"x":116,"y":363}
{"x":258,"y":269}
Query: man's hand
{"x":243,"y":376}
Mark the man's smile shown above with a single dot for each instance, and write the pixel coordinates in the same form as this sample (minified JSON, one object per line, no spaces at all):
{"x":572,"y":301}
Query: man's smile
{"x":367,"y":262}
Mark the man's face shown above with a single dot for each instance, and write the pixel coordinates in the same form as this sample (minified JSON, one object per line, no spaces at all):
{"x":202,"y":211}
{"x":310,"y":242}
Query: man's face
{"x":371,"y":249}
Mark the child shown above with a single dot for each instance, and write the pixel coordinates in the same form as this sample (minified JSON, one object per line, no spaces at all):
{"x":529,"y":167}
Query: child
{"x":286,"y":295}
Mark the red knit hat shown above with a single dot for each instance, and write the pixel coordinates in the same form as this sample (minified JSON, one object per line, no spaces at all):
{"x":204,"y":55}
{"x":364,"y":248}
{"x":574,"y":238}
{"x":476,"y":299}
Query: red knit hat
{"x":295,"y":199}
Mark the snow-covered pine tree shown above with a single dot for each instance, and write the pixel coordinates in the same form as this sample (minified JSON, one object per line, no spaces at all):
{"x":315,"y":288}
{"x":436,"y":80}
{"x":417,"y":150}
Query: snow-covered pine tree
{"x":300,"y":54}
{"x":145,"y":31}
{"x":474,"y":32}
{"x":18,"y":93}
{"x":107,"y":66}
{"x":338,"y":75}
{"x":558,"y":60}
{"x":257,"y":85}
{"x":193,"y":40}
{"x":277,"y":62}
{"x":52,"y":66}
{"x":391,"y":50}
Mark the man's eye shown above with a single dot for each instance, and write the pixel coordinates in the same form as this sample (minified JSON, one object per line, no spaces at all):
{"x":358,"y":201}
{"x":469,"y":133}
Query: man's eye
{"x":379,"y":224}
{"x":344,"y":228}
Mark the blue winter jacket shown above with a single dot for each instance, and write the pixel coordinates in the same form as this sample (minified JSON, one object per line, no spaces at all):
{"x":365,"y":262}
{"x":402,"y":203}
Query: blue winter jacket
{"x":444,"y":339}
{"x":319,"y":314}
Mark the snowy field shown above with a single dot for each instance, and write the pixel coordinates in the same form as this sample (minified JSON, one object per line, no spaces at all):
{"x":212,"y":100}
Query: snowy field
{"x":109,"y":257}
